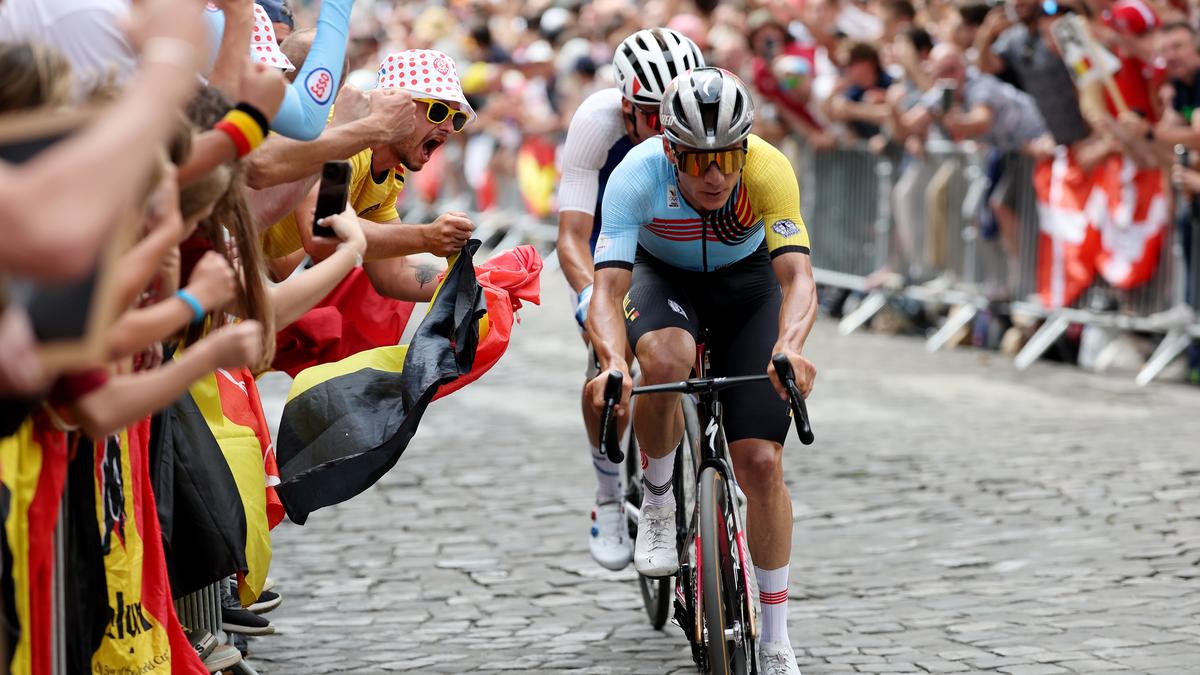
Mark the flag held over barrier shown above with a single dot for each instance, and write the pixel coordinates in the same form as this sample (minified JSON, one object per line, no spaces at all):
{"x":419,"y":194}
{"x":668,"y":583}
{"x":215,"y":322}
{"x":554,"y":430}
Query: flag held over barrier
{"x":347,"y":423}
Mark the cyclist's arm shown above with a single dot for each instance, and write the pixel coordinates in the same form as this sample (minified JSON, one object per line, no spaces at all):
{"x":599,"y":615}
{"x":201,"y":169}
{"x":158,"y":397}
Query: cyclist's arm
{"x":626,"y":206}
{"x":583,"y":155}
{"x":606,"y":320}
{"x":799,"y":309}
{"x":787,"y":240}
{"x":574,"y":249}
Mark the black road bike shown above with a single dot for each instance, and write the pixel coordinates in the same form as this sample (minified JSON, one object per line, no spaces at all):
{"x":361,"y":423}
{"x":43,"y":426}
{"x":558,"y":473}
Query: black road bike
{"x":715,"y":595}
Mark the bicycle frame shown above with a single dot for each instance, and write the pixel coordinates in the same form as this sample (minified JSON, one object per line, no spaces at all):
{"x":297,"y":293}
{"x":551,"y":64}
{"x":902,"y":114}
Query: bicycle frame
{"x":713,"y":452}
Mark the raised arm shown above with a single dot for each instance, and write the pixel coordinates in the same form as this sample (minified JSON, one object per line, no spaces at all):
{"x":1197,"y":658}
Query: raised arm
{"x":128,"y":398}
{"x":306,"y":105}
{"x":388,"y":115}
{"x":47,"y":235}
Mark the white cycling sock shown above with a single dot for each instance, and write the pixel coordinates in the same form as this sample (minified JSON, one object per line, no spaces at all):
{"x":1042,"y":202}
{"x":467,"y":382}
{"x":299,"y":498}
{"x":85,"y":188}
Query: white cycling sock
{"x":656,"y":479}
{"x":608,"y":477}
{"x":773,"y":596}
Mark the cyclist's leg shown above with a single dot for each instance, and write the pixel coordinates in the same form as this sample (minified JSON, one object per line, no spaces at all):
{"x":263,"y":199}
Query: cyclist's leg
{"x":756,"y":424}
{"x":662,"y":326}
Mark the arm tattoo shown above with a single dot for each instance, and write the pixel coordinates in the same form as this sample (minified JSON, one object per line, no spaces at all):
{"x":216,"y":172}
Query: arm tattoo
{"x":425,"y":273}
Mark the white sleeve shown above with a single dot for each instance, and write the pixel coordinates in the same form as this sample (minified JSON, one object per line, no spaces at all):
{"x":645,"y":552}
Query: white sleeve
{"x":595,"y":127}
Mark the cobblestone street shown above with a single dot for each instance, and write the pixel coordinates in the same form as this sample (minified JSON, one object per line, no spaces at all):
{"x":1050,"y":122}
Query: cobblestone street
{"x":953,"y":516}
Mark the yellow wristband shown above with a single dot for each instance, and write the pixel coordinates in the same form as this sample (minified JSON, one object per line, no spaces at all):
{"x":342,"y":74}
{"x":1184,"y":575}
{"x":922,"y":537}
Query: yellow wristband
{"x":247,"y":125}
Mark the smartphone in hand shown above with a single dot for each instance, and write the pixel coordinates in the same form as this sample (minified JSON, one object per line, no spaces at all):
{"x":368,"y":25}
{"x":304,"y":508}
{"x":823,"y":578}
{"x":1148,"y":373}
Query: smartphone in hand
{"x":948,"y":88}
{"x":332,"y":195}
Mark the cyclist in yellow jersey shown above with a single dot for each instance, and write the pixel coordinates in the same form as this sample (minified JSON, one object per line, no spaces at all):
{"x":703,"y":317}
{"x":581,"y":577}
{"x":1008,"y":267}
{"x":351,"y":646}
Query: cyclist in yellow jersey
{"x":702,"y":240}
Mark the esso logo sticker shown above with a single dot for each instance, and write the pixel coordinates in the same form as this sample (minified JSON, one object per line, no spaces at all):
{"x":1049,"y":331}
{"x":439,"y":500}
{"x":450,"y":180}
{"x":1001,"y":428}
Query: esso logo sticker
{"x":319,"y":85}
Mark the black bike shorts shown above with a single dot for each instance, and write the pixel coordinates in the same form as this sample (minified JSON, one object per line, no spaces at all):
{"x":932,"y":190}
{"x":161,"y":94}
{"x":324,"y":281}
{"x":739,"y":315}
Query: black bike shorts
{"x":735,"y":311}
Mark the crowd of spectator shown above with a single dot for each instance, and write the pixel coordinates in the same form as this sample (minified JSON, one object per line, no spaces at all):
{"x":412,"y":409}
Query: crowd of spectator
{"x":166,"y":153}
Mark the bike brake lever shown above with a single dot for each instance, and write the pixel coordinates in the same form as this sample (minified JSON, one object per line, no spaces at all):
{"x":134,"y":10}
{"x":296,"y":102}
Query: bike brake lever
{"x":783,"y":368}
{"x":608,"y":437}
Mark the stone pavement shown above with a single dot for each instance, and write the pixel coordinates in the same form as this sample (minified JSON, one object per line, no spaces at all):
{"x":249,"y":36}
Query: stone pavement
{"x":953,"y":516}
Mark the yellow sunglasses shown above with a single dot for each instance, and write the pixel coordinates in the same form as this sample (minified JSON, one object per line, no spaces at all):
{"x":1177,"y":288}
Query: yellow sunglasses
{"x":437,"y":112}
{"x":696,"y":163}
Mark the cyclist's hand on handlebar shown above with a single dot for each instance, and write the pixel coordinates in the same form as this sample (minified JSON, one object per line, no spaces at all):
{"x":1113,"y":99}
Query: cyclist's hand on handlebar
{"x":595,"y":390}
{"x":804,"y":370}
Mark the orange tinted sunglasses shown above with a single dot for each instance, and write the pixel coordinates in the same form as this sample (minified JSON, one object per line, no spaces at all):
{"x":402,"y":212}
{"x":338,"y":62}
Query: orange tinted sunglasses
{"x":696,"y":163}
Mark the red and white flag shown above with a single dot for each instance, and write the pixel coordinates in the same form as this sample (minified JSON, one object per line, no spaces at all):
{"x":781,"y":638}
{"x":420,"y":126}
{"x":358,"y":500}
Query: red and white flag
{"x":1068,"y":244}
{"x":1131,"y":212}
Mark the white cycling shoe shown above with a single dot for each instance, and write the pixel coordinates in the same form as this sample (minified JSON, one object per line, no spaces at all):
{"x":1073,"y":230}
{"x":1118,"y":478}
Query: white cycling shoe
{"x":777,"y":658}
{"x":654,"y":555}
{"x":609,"y":536}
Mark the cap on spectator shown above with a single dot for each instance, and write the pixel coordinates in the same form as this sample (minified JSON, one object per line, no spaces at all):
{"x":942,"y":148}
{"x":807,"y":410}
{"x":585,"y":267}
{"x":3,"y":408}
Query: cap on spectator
{"x":1133,"y":17}
{"x":426,"y":73}
{"x":278,"y":11}
{"x":263,"y":47}
{"x":554,"y":20}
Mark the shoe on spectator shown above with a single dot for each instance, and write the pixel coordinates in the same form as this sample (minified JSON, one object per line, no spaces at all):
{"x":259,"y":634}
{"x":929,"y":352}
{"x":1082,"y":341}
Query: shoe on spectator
{"x":267,"y":601}
{"x":202,"y":641}
{"x":609,"y":536}
{"x":221,"y":658}
{"x":777,"y":658}
{"x":244,"y":622}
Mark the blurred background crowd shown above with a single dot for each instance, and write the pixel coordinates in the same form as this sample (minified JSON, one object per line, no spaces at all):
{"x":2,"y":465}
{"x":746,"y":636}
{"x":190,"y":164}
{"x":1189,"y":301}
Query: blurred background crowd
{"x":999,"y":87}
{"x":1015,"y":175}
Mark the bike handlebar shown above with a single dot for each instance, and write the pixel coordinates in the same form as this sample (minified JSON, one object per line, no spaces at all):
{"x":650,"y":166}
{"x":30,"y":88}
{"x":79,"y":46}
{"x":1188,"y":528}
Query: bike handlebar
{"x":783,"y":367}
{"x":608,"y":437}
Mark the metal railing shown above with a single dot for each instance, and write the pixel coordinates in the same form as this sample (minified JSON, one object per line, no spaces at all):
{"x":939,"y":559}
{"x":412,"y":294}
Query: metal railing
{"x":919,"y":217}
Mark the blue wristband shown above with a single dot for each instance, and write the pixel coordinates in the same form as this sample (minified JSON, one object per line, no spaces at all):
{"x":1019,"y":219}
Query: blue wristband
{"x":197,"y":309}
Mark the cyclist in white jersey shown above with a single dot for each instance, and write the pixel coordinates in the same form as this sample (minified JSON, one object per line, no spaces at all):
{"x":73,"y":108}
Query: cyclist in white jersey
{"x":605,"y":127}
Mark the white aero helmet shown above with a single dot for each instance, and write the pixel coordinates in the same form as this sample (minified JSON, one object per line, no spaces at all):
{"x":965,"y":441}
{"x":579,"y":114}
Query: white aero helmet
{"x":708,"y":109}
{"x":648,"y":60}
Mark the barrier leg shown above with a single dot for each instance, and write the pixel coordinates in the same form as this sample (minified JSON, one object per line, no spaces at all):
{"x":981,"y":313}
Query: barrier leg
{"x":1173,"y":344}
{"x":1045,"y":336}
{"x":960,"y":317}
{"x":870,"y":307}
{"x":515,"y":236}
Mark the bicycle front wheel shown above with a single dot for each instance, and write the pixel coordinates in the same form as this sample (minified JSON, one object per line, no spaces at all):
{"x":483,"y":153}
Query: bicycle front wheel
{"x":725,"y":636}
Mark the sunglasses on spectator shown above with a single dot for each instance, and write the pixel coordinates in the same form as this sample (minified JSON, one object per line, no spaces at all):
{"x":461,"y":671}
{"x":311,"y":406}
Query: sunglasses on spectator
{"x":696,"y":162}
{"x":438,"y":112}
